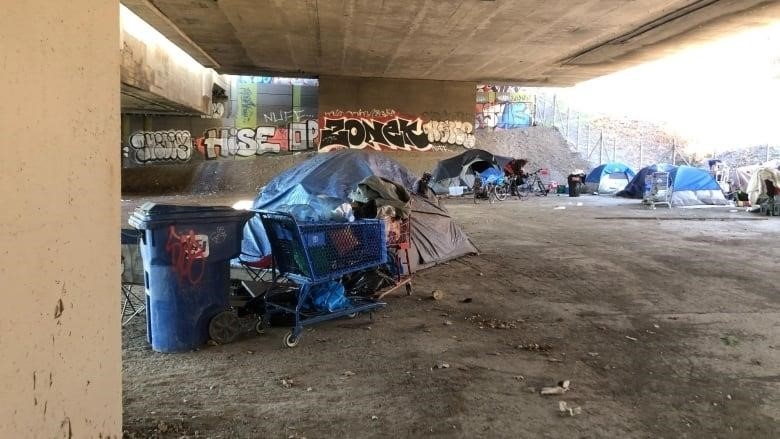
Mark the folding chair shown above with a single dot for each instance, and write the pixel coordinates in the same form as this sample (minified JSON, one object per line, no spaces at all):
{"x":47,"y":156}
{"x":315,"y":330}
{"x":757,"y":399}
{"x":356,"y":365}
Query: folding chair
{"x":133,"y":303}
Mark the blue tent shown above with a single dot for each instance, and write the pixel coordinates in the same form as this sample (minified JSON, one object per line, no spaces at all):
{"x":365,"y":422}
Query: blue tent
{"x":609,"y":178}
{"x":690,"y":186}
{"x":311,"y":189}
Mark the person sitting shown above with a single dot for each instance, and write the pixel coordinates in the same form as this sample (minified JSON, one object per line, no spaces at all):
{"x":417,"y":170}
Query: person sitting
{"x":515,"y":174}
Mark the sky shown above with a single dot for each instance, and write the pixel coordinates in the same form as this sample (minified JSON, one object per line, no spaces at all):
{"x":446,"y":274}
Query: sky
{"x":720,"y":96}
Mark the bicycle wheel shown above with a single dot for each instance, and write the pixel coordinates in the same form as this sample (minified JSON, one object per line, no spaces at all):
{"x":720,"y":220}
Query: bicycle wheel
{"x":502,"y":192}
{"x":542,"y":188}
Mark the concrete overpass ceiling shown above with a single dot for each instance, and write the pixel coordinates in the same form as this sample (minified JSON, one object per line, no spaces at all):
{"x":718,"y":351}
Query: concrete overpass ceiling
{"x":550,"y":42}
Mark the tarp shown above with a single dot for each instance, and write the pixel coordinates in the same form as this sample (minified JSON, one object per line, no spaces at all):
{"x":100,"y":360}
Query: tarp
{"x":741,"y":176}
{"x":757,"y":185}
{"x":318,"y":185}
{"x":461,"y":169}
{"x":609,"y":178}
{"x":690,"y":186}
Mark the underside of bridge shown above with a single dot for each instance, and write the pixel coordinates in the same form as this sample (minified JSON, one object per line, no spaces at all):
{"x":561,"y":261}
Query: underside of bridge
{"x":529,"y":42}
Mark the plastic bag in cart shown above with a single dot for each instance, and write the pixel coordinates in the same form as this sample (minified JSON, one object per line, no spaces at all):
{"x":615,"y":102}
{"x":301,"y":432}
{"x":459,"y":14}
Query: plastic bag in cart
{"x":328,"y":296}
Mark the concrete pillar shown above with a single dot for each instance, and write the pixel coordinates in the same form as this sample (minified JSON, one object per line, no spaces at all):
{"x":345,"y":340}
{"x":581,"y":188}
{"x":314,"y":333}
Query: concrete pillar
{"x":60,"y":339}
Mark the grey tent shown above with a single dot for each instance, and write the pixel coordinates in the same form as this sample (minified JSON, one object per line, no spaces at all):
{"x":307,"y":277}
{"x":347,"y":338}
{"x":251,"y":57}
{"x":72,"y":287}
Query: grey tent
{"x":322,"y":182}
{"x":461,"y":169}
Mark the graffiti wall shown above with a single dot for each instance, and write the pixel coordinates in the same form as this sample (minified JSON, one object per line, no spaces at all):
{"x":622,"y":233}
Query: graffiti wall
{"x":388,"y":129}
{"x":503,"y":107}
{"x":262,"y":115}
{"x":247,"y":142}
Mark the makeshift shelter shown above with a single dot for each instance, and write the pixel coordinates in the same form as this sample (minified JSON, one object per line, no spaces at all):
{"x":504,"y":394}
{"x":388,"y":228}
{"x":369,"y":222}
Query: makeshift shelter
{"x":313,"y":188}
{"x":609,"y":178}
{"x":764,"y":183}
{"x":462,"y":169}
{"x":741,"y":175}
{"x":690,"y":186}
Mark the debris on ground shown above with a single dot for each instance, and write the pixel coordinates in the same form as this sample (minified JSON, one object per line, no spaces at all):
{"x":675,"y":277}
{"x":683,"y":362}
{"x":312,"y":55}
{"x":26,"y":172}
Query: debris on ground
{"x":729,"y":340}
{"x":560,"y":389}
{"x":440,"y":365}
{"x":467,"y":300}
{"x":564,"y":408}
{"x":287,"y":383}
{"x":374,"y":417}
{"x":347,"y":374}
{"x":448,"y":322}
{"x":486,"y":322}
{"x":534,"y":347}
{"x":437,"y":294}
{"x":632,"y":338}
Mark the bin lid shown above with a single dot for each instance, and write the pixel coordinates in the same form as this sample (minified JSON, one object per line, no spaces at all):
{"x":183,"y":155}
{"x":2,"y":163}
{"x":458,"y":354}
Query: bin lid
{"x":150,"y":215}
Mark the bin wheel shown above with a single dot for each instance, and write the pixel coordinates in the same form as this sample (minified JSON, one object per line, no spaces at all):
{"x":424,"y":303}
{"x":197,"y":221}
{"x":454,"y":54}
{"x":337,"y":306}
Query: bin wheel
{"x":260,"y":327}
{"x":352,"y":316}
{"x":291,"y":340}
{"x":409,"y":289}
{"x":370,"y":316}
{"x":224,"y":327}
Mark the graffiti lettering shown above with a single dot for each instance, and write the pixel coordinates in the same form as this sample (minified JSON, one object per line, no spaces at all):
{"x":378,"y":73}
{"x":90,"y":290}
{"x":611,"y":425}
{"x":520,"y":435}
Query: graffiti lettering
{"x":286,"y":116}
{"x":159,"y":146}
{"x":247,"y":142}
{"x":216,"y":111}
{"x":375,"y":113}
{"x":504,"y":116}
{"x":446,"y":115}
{"x":188,"y":253}
{"x":397,"y":133}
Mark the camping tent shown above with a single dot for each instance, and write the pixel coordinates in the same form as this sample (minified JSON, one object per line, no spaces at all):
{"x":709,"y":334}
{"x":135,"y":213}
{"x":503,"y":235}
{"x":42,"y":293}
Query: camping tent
{"x":319,"y":184}
{"x":461,"y":169}
{"x":690,"y":186}
{"x":609,"y":178}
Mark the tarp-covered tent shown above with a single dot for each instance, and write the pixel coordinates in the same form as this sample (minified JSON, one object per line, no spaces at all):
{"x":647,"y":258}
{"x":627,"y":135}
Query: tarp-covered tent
{"x":609,"y":178}
{"x":690,"y":186}
{"x":764,"y":182}
{"x":741,"y":175}
{"x":462,"y":169}
{"x":323,"y":182}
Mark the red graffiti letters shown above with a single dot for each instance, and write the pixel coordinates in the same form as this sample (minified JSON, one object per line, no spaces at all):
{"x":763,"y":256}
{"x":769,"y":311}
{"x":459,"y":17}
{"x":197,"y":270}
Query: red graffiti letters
{"x":188,"y":253}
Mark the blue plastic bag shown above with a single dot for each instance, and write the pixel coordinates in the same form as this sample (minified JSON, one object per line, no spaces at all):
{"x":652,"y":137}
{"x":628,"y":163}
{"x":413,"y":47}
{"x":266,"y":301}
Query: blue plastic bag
{"x":328,"y":296}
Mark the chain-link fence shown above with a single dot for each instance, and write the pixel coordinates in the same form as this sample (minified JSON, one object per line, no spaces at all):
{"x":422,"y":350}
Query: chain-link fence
{"x":597,"y":140}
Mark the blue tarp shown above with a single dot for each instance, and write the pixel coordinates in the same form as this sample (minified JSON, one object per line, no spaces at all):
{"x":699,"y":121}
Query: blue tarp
{"x":318,"y":185}
{"x":681,"y":178}
{"x":608,"y":168}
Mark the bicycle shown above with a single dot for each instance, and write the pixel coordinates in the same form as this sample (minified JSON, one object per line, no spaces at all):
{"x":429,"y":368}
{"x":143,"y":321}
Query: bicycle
{"x":533,"y":185}
{"x":491,"y":190}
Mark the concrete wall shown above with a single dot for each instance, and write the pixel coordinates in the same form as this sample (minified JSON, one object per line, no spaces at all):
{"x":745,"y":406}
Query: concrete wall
{"x":152,"y":64}
{"x":60,"y":367}
{"x":395,"y":114}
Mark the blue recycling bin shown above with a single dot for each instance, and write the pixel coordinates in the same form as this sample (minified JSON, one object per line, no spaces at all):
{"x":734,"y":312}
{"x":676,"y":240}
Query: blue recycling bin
{"x":186,"y":252}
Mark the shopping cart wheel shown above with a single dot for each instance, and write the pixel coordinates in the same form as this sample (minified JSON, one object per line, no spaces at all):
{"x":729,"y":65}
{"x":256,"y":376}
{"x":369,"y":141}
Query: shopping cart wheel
{"x":290,"y":340}
{"x":260,"y":327}
{"x":224,"y":327}
{"x":409,"y":289}
{"x":352,"y":316}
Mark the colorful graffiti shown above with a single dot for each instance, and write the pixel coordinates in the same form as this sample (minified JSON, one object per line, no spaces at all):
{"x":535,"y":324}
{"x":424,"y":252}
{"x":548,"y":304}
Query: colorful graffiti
{"x":504,"y":116}
{"x":159,"y":146}
{"x":247,"y":142}
{"x":394,"y":132}
{"x":188,"y":252}
{"x":503,"y":107}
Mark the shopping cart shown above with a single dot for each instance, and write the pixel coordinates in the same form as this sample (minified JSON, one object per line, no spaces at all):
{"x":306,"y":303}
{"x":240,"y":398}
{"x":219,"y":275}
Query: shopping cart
{"x":657,"y":190}
{"x":314,"y":255}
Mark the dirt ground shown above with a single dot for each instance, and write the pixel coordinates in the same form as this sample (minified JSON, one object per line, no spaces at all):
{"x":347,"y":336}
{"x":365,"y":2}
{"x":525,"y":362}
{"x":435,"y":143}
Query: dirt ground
{"x":666,"y":323}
